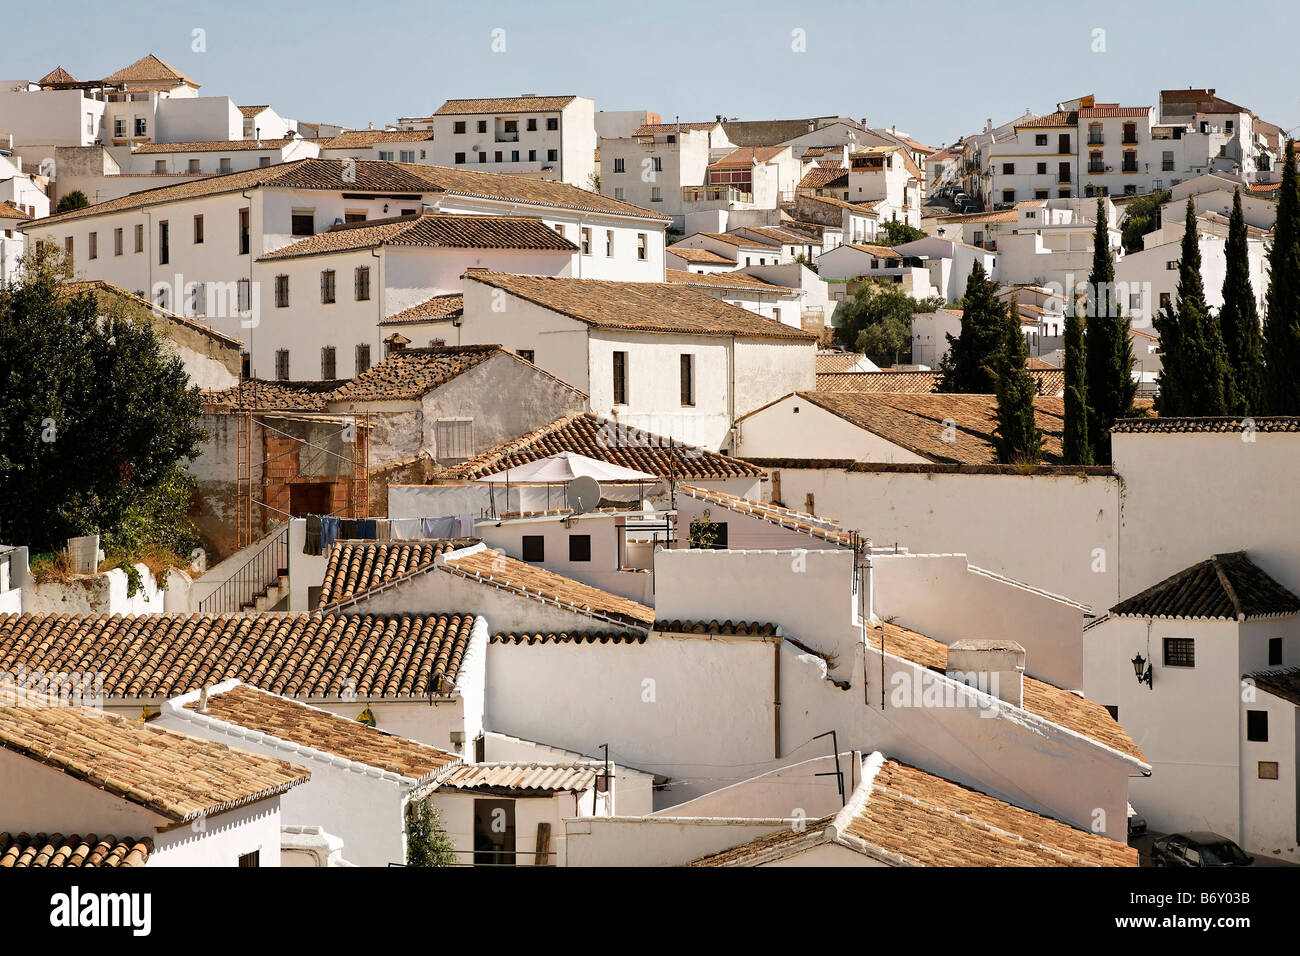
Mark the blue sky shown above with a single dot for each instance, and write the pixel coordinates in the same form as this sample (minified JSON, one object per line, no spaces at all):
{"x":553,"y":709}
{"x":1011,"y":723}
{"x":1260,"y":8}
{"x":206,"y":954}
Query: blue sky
{"x":937,"y":74}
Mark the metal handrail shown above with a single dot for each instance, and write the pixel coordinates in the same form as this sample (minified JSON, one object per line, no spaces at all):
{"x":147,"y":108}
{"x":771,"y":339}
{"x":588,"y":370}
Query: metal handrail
{"x":252,"y":579}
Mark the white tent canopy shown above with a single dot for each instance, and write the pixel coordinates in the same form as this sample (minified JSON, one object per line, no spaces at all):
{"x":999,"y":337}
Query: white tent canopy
{"x":563,"y":467}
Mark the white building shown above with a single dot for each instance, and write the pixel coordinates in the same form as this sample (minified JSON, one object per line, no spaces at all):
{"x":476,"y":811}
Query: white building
{"x":1052,"y":243}
{"x":664,"y":167}
{"x":887,"y":176}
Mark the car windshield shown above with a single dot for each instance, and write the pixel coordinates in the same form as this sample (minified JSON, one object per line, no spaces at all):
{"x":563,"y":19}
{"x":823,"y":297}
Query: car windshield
{"x":1223,"y":854}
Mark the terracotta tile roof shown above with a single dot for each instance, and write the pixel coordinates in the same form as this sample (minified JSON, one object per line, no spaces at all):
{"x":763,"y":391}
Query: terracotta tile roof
{"x":929,"y":821}
{"x":54,"y":849}
{"x":358,"y":566}
{"x":1048,"y":701}
{"x":1280,"y":683}
{"x":595,"y":637}
{"x":730,"y":239}
{"x":1005,"y":215}
{"x":814,"y":151}
{"x":1207,"y":426}
{"x":297,"y":655}
{"x":1050,"y":381}
{"x":700,"y":255}
{"x":608,"y":441}
{"x":175,"y":776}
{"x":108,"y":294}
{"x":531,"y":777}
{"x":1264,"y":187}
{"x":251,"y":111}
{"x":773,"y":514}
{"x":748,"y":156}
{"x":504,"y":104}
{"x":1203,"y":101}
{"x":522,"y":190}
{"x":9,"y":211}
{"x":640,"y":306}
{"x":1226,"y":587}
{"x":149,"y":69}
{"x":837,"y":362}
{"x":502,"y":571}
{"x":652,"y":129}
{"x":779,"y":235}
{"x":727,"y":280}
{"x":941,"y":155}
{"x":1111,"y":112}
{"x":215,"y":146}
{"x":1059,"y":118}
{"x":365,"y":138}
{"x":822,"y":177}
{"x":56,"y":76}
{"x":880,"y":252}
{"x":267,"y":396}
{"x":778,"y":845}
{"x":317,"y":729}
{"x":732,"y":628}
{"x":445,"y":306}
{"x":916,"y":422}
{"x":860,"y":209}
{"x":438,"y":230}
{"x":411,"y":373}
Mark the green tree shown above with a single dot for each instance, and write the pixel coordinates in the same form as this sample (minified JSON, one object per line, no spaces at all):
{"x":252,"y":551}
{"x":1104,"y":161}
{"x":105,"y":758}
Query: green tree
{"x":73,"y":200}
{"x":97,"y":420}
{"x":877,"y":321}
{"x":1239,"y":321}
{"x":1198,"y":376}
{"x":1107,"y":348}
{"x":1282,"y":319}
{"x":898,"y":232}
{"x":1017,"y":438}
{"x":1076,"y":449}
{"x":1141,"y":216}
{"x":972,"y":360}
{"x":427,"y":842}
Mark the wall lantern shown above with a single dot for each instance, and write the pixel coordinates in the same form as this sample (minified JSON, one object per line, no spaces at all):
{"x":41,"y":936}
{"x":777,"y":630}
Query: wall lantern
{"x":1142,"y":668}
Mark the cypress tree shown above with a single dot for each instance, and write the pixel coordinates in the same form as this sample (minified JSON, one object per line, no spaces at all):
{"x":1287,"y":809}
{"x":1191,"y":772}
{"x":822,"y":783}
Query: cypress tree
{"x":1076,"y":449}
{"x":1282,"y":320}
{"x":1017,"y":438}
{"x":1239,"y":321}
{"x":1107,"y":347}
{"x":972,"y":360}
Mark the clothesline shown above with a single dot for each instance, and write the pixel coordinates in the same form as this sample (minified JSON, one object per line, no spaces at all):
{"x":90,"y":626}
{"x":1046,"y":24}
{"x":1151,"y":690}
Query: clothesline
{"x":324,"y":530}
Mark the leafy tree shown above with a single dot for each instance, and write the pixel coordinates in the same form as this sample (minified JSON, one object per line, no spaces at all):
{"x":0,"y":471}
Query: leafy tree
{"x":1017,"y":438}
{"x":73,"y":200}
{"x":972,"y":360}
{"x":1239,"y":321}
{"x":805,"y":262}
{"x":1282,"y":319}
{"x":877,"y":321}
{"x":427,"y":842}
{"x":1198,"y":375}
{"x":1076,"y":449}
{"x":1107,"y":348}
{"x":97,"y":420}
{"x":898,"y":232}
{"x":1142,"y":216}
{"x":703,"y":531}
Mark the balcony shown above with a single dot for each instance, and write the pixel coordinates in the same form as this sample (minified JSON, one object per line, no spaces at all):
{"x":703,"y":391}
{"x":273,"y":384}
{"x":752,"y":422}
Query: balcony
{"x":1098,"y":168}
{"x":1130,"y":139}
{"x":1129,"y":168}
{"x":1096,"y":139}
{"x":716,"y":194}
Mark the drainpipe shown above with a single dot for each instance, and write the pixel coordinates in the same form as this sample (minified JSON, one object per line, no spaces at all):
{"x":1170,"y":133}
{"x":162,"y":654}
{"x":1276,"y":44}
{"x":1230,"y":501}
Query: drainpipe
{"x":378,"y":293}
{"x":776,"y":697}
{"x":249,"y":343}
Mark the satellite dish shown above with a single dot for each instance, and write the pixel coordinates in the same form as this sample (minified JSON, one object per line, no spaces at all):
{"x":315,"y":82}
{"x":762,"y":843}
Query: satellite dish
{"x":583,"y":493}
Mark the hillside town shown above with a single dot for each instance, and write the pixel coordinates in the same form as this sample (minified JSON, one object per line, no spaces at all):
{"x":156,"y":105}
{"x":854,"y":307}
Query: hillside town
{"x":524,"y":483}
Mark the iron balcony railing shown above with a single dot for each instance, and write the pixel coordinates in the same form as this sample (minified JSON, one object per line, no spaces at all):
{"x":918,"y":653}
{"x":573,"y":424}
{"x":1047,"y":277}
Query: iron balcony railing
{"x":241,"y":590}
{"x":715,"y":193}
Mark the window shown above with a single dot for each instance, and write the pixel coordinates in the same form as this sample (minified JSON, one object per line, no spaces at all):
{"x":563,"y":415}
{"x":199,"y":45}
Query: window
{"x":244,"y":290}
{"x":119,"y":129}
{"x":579,"y":547}
{"x":514,"y":156}
{"x":251,"y":859}
{"x":656,"y":194}
{"x":141,"y":126}
{"x":496,"y":156}
{"x":1008,"y":169}
{"x":642,"y":246}
{"x":363,"y":358}
{"x":304,"y":222}
{"x":223,"y":164}
{"x":198,"y":299}
{"x":1164,"y":300}
{"x":455,"y":438}
{"x":528,"y":355}
{"x":552,"y":123}
{"x":1041,"y":169}
{"x":618,"y":192}
{"x":281,"y":292}
{"x":1040,"y":194}
{"x":609,"y":243}
{"x":559,"y":228}
{"x":193,"y":166}
{"x":1227,"y":128}
{"x":657,"y":164}
{"x":198,"y":230}
{"x":1008,"y":195}
{"x":532,"y":155}
{"x":482,"y":157}
{"x":354,"y":215}
{"x":263,"y":161}
{"x":460,"y":159}
{"x":532,"y":124}
{"x":327,"y":287}
{"x":1268,"y":770}
{"x":620,"y":378}
{"x":1257,"y":725}
{"x":282,"y":364}
{"x":494,"y":834}
{"x":482,"y":126}
{"x":328,"y":363}
{"x":1274,"y":652}
{"x":458,"y":127}
{"x":1171,"y":265}
{"x":67,"y":245}
{"x":386,"y":155}
{"x":361,"y":284}
{"x":117,"y":242}
{"x":408,"y":155}
{"x":586,"y":240}
{"x":139,"y":237}
{"x":164,"y":250}
{"x":533,"y":548}
{"x":92,"y":247}
{"x":552,"y":155}
{"x":1130,"y":133}
{"x":1040,"y":139}
{"x":688,"y":379}
{"x":620,"y":165}
{"x":243,"y":232}
{"x":1180,"y":652}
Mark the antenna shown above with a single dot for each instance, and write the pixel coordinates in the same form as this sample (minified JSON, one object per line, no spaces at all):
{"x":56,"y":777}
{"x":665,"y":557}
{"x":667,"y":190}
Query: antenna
{"x":583,"y":494}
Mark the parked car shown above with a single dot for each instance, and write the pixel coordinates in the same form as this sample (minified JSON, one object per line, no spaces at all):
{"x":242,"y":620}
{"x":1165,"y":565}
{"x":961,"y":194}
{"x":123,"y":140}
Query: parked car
{"x":1198,"y":848}
{"x":1137,"y":824}
{"x":968,"y":206}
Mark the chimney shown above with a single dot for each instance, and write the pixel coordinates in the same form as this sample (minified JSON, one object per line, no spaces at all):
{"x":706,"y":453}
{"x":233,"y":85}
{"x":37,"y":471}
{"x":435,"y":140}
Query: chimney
{"x":202,"y":708}
{"x":995,"y":667}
